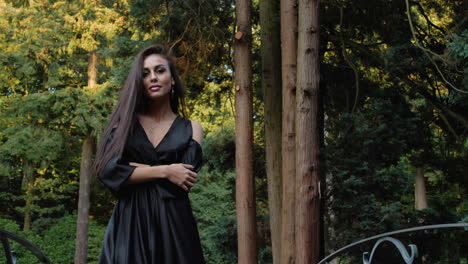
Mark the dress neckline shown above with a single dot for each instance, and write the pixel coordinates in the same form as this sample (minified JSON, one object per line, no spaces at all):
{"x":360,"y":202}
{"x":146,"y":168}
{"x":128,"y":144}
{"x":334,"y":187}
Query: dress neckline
{"x":164,"y":137}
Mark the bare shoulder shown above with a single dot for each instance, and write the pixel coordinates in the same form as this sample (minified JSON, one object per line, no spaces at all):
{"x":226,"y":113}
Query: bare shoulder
{"x":197,"y":132}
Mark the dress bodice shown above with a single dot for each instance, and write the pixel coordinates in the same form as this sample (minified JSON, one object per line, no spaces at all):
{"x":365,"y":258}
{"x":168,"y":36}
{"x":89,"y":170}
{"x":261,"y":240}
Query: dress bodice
{"x":177,"y":146}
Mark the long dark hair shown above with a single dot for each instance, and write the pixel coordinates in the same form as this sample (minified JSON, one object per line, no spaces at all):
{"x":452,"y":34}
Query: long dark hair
{"x":133,"y":101}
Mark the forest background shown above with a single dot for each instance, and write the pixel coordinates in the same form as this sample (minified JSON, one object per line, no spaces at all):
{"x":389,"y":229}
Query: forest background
{"x":394,"y":99}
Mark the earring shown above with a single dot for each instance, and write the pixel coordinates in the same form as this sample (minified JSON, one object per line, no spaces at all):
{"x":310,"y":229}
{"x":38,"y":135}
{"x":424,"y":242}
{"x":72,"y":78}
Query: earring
{"x":172,"y":92}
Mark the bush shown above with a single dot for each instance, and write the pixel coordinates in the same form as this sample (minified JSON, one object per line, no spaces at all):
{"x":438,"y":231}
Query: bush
{"x":57,"y":242}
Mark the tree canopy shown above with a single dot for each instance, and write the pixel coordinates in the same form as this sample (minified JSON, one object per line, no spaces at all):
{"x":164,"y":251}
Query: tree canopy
{"x":394,"y":97}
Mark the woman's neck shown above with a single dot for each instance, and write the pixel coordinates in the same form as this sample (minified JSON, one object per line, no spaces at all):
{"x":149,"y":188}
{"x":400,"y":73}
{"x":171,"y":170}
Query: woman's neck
{"x":160,"y":110}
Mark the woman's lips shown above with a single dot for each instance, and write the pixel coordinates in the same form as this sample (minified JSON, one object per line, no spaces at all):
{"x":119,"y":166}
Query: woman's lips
{"x":155,"y":88}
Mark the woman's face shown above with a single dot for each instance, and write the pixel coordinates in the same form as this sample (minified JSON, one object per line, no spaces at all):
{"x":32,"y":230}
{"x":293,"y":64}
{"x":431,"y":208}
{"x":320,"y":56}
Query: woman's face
{"x":157,"y":77}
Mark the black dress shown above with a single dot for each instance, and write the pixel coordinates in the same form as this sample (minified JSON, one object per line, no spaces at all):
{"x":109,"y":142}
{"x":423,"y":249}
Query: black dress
{"x":152,"y":222}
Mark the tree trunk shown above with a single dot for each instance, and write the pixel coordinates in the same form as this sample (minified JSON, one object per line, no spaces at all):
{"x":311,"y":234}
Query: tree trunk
{"x":245,"y":196}
{"x":81,"y":250}
{"x":86,"y":170}
{"x":288,"y":151}
{"x":307,"y":135}
{"x":28,"y":172}
{"x":92,"y":69}
{"x":27,"y":211}
{"x":271,"y":86}
{"x":322,"y":168}
{"x":420,"y":201}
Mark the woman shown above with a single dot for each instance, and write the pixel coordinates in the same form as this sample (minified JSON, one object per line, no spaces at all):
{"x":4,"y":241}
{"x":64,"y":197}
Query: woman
{"x":149,"y":157}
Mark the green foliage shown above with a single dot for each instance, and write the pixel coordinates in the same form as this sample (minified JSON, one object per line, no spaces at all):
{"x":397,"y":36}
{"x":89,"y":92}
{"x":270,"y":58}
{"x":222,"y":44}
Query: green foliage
{"x":459,"y":45}
{"x":219,"y":149}
{"x":389,"y":108}
{"x":9,"y":225}
{"x":198,"y":32}
{"x":366,"y":186}
{"x":213,"y":207}
{"x":213,"y":200}
{"x":214,"y":107}
{"x":60,"y":247}
{"x":56,"y":240}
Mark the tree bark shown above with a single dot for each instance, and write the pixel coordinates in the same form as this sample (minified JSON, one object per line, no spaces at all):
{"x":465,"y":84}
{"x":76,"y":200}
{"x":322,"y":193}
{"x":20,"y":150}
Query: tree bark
{"x":81,"y":250}
{"x":27,"y":212}
{"x":420,"y":201}
{"x":245,"y":196}
{"x":307,"y":135}
{"x":28,"y":171}
{"x":92,"y":69}
{"x":288,"y":152}
{"x":271,"y":86}
{"x":86,"y":170}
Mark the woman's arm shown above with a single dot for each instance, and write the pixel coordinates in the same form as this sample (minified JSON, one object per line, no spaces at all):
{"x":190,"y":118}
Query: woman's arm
{"x":197,"y":132}
{"x":179,"y":174}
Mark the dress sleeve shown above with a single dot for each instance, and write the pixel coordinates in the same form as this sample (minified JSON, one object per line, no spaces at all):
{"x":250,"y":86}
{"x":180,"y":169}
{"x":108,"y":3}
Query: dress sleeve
{"x":116,"y":172}
{"x":193,"y":155}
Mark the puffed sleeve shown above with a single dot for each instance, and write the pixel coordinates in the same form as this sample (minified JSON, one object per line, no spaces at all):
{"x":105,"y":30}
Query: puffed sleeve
{"x":116,"y":172}
{"x":193,"y":155}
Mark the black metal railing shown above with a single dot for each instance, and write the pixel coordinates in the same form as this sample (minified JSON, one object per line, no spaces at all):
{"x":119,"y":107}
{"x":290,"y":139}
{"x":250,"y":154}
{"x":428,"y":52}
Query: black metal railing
{"x":10,"y":255}
{"x":408,"y":254}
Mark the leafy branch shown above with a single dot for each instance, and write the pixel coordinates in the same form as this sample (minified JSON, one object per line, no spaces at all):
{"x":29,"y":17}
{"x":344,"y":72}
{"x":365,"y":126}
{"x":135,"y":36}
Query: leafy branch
{"x":427,"y":52}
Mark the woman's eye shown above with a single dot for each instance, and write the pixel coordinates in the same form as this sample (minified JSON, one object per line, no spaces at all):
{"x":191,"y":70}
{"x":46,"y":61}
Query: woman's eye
{"x":161,"y":70}
{"x":145,"y":74}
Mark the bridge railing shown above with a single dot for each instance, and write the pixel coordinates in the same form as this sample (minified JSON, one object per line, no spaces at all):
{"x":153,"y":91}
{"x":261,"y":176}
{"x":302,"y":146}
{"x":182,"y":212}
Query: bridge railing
{"x":371,"y":249}
{"x":10,"y":254}
{"x":408,"y":252}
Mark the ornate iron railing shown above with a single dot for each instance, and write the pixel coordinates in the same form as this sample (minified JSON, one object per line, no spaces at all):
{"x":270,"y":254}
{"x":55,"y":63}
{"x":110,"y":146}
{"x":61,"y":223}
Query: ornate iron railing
{"x":10,"y":255}
{"x":408,"y":256}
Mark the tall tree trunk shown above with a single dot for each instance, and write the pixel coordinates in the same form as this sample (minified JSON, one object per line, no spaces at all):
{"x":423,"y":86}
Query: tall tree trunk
{"x":288,"y":151}
{"x":307,"y":135}
{"x":28,"y":172}
{"x":92,"y":69}
{"x":81,"y":250}
{"x":245,"y":196}
{"x":27,"y":211}
{"x":322,"y":169}
{"x":271,"y":86}
{"x":86,"y":170}
{"x":420,"y":201}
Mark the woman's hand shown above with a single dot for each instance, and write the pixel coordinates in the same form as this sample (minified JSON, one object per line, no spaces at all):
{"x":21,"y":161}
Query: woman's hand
{"x":181,"y":175}
{"x":178,"y":173}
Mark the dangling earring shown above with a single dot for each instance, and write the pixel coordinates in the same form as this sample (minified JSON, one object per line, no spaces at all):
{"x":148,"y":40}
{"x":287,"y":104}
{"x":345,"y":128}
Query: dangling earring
{"x":172,"y":92}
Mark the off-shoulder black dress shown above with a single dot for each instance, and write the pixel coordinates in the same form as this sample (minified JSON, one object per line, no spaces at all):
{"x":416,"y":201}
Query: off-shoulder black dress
{"x":152,"y":222}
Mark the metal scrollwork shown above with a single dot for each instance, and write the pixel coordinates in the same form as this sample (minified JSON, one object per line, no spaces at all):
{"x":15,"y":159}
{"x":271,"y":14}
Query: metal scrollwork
{"x":407,"y":257}
{"x":386,"y":237}
{"x":10,"y":254}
